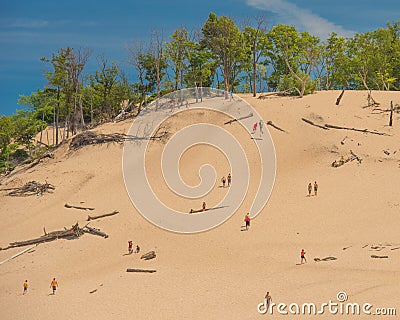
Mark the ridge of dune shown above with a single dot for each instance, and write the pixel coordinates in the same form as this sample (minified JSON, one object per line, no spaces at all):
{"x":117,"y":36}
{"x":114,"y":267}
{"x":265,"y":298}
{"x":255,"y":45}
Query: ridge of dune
{"x":222,"y":273}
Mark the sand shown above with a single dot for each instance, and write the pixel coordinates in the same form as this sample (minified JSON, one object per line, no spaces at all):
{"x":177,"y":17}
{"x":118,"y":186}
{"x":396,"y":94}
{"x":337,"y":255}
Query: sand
{"x":223,"y":273}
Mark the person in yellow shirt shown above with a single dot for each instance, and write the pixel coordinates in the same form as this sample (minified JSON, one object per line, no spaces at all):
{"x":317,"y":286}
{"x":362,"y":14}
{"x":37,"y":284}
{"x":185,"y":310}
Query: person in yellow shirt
{"x":54,"y":285}
{"x":25,"y":286}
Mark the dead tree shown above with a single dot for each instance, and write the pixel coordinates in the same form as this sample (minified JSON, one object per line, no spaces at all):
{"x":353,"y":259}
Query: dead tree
{"x":29,"y":189}
{"x":149,"y":255}
{"x":140,"y":270}
{"x":102,"y":215}
{"x":72,"y":233}
{"x":339,"y":98}
{"x":95,"y":231}
{"x":330,"y":126}
{"x":391,"y":114}
{"x":69,"y":206}
{"x":371,"y":100}
{"x":314,"y":124}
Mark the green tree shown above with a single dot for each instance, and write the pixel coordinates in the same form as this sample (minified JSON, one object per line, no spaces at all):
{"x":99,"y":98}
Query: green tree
{"x":299,"y":51}
{"x":176,"y":53}
{"x":223,"y":38}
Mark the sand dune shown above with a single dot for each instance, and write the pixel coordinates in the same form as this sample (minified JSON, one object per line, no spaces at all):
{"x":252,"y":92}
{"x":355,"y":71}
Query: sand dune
{"x":223,"y":273}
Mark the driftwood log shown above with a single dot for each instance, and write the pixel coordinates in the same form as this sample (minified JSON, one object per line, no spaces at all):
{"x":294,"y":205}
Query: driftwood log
{"x":379,"y":257}
{"x":149,"y":255}
{"x":330,"y":126}
{"x":91,"y":138}
{"x":30,"y":188}
{"x":72,"y":233}
{"x":70,"y":206}
{"x":95,"y":231}
{"x":102,"y":215}
{"x":342,"y":161}
{"x":141,"y":270}
{"x":199,"y":210}
{"x":339,"y":98}
{"x":39,"y":160}
{"x":325,"y":259}
{"x":287,"y":92}
{"x":314,"y":124}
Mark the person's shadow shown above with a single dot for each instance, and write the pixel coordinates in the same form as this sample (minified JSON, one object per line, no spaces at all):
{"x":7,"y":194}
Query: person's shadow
{"x":127,"y":254}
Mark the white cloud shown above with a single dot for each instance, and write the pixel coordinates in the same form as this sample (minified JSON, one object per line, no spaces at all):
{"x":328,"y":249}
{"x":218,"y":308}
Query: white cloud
{"x":26,"y":23}
{"x":302,"y":19}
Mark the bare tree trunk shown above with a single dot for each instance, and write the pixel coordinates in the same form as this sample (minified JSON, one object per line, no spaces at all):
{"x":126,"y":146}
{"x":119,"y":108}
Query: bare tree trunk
{"x":57,"y":114}
{"x":41,"y":128}
{"x":391,"y":114}
{"x":254,"y":73}
{"x":81,"y":109}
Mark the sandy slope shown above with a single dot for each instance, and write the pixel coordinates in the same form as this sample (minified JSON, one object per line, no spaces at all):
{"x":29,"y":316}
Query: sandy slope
{"x":222,"y":273}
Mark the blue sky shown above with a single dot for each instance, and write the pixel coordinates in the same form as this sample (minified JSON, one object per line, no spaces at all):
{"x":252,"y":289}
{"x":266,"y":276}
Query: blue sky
{"x":33,"y":29}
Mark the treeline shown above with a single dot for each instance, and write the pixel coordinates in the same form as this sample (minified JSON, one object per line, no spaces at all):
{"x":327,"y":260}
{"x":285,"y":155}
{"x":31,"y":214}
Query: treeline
{"x":240,"y":58}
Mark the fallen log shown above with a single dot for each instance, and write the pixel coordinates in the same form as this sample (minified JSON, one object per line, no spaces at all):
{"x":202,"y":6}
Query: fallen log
{"x":270,"y":123}
{"x":330,"y":126}
{"x":39,"y":160}
{"x":277,"y":93}
{"x":391,"y":114}
{"x":102,"y":215}
{"x":342,"y":161}
{"x":95,"y":231}
{"x":379,"y":257}
{"x":325,"y":259}
{"x":29,"y":189}
{"x":141,"y":270}
{"x":339,"y":98}
{"x":91,"y":138}
{"x":69,"y":206}
{"x":314,"y":124}
{"x":72,"y":233}
{"x":149,"y":255}
{"x":18,"y":254}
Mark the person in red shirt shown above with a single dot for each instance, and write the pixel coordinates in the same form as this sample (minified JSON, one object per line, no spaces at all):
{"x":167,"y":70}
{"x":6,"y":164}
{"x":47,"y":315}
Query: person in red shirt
{"x":130,"y":247}
{"x":303,"y":256}
{"x":247,"y":220}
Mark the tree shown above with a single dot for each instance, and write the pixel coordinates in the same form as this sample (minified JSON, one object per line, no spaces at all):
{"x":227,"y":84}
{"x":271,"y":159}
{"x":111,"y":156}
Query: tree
{"x":298,"y":50}
{"x":257,"y":42}
{"x":76,"y":61}
{"x":201,"y":68}
{"x":25,"y":128}
{"x":224,"y":39}
{"x":176,"y":52}
{"x":106,"y":79}
{"x":59,"y":79}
